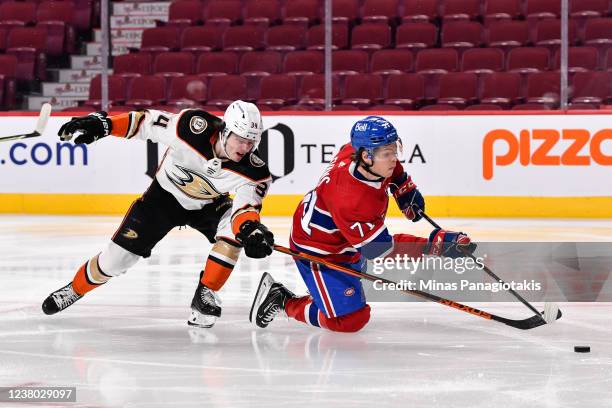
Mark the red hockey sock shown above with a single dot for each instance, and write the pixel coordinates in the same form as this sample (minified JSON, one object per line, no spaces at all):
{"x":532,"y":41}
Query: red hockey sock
{"x":304,"y":310}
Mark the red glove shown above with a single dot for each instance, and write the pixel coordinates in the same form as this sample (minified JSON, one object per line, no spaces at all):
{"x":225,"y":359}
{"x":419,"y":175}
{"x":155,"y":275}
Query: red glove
{"x":449,"y":243}
{"x":409,"y":199}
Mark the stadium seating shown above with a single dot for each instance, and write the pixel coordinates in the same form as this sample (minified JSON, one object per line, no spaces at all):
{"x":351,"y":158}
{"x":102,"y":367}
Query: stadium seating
{"x":8,"y":78}
{"x":285,"y":38}
{"x":456,"y":10}
{"x":28,"y":45}
{"x":223,"y":12}
{"x":482,"y":60}
{"x":362,"y":90}
{"x":380,"y":11}
{"x":133,"y":64}
{"x":276,"y":91}
{"x":316,"y":37}
{"x":416,"y":36}
{"x":457,"y":53}
{"x":301,"y":12}
{"x":387,"y":62}
{"x":185,"y":13}
{"x":420,"y":11}
{"x":200,"y":39}
{"x":116,"y":91}
{"x":56,"y":18}
{"x":262,"y":13}
{"x":405,"y":90}
{"x":302,"y":63}
{"x":498,"y":10}
{"x":173,"y":64}
{"x":187,"y":91}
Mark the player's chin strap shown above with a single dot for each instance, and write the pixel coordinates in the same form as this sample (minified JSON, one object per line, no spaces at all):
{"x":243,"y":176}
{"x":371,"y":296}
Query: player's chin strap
{"x":223,"y":136}
{"x":367,"y":167}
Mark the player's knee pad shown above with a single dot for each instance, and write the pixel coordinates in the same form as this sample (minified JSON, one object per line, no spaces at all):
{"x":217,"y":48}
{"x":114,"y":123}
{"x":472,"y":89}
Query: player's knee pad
{"x":349,"y":323}
{"x":226,"y":251}
{"x":115,"y":260}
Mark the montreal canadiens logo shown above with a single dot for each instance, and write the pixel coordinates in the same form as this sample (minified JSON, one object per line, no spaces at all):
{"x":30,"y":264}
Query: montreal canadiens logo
{"x":349,"y":291}
{"x":198,"y":124}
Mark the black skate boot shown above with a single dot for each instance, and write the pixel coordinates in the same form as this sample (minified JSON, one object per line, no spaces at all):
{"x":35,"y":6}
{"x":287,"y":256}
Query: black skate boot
{"x":60,"y":299}
{"x":269,"y":301}
{"x":205,"y":307}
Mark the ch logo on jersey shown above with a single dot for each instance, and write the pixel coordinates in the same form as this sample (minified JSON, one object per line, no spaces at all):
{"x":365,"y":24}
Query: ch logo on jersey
{"x":193,"y":184}
{"x":129,"y":233}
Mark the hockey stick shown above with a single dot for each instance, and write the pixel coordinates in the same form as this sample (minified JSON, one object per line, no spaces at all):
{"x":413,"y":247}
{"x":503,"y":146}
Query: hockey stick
{"x":551,"y":310}
{"x":41,"y":124}
{"x":524,"y":324}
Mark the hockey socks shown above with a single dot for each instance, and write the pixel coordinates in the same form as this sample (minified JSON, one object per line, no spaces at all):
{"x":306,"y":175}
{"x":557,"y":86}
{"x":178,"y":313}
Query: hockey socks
{"x":219,"y":265}
{"x":304,"y":310}
{"x":88,"y":277}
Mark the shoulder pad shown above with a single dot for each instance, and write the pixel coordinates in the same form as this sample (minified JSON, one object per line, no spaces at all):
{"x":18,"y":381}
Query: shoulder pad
{"x":196,"y":126}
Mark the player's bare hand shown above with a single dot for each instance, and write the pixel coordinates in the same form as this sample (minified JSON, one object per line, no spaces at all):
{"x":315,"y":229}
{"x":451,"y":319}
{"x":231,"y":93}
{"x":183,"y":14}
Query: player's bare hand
{"x":89,"y":128}
{"x":449,"y":243}
{"x":256,"y":239}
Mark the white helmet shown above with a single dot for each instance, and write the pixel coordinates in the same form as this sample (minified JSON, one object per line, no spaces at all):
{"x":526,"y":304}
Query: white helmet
{"x":243,"y":119}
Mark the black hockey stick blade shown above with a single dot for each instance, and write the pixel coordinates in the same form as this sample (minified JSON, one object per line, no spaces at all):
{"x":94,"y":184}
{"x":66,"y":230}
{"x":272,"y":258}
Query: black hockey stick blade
{"x":525,"y":324}
{"x":41,"y":124}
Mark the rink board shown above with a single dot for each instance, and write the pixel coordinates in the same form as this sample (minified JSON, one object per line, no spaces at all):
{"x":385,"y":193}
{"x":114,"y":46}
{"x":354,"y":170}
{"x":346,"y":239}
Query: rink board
{"x":509,"y":165}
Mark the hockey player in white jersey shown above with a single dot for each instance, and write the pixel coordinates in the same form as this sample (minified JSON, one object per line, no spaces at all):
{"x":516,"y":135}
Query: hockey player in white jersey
{"x":207,"y":159}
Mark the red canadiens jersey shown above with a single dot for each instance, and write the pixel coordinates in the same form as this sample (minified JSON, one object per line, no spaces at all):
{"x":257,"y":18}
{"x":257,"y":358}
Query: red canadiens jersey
{"x":343,"y":213}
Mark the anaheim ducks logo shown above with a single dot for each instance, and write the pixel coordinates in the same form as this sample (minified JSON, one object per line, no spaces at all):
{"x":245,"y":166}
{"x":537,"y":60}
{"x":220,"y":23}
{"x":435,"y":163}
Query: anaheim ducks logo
{"x":130,"y":233}
{"x":193,"y":184}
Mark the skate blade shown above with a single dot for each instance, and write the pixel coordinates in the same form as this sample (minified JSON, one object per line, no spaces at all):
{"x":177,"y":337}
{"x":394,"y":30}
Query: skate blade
{"x":262,"y":291}
{"x":197,"y":320}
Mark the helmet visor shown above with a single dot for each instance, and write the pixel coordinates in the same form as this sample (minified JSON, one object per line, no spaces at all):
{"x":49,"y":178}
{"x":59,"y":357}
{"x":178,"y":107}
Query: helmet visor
{"x":391,"y":151}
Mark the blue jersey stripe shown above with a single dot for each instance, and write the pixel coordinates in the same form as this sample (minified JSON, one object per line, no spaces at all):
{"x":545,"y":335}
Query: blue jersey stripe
{"x":323,"y":220}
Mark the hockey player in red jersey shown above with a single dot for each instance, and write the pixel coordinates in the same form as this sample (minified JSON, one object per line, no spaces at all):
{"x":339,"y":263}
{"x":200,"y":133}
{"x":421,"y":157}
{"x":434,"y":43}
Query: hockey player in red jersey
{"x":207,"y":159}
{"x":342,"y":221}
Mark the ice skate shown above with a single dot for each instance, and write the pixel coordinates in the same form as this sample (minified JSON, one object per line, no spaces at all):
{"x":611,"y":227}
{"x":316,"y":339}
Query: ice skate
{"x":60,"y":300}
{"x":269,"y":301}
{"x":205,"y":307}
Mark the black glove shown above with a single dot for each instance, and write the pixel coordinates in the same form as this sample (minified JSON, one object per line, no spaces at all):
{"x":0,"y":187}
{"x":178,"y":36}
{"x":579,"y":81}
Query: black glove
{"x":256,"y":239}
{"x":91,"y":128}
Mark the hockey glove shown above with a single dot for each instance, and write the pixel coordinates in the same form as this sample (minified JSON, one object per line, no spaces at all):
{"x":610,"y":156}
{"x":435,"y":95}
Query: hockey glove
{"x":450,"y":244}
{"x":91,"y":128}
{"x":256,"y":239}
{"x":409,"y":199}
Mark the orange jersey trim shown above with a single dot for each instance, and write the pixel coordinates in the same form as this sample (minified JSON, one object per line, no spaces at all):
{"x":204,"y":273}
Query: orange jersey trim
{"x":250,"y":215}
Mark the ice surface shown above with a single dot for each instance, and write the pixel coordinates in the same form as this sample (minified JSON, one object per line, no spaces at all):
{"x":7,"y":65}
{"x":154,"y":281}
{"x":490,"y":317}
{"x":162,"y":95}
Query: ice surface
{"x":127,"y":344}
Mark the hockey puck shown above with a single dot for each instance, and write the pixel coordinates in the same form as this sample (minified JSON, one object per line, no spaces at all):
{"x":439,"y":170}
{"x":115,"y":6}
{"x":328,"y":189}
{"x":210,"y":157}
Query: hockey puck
{"x":582,"y":349}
